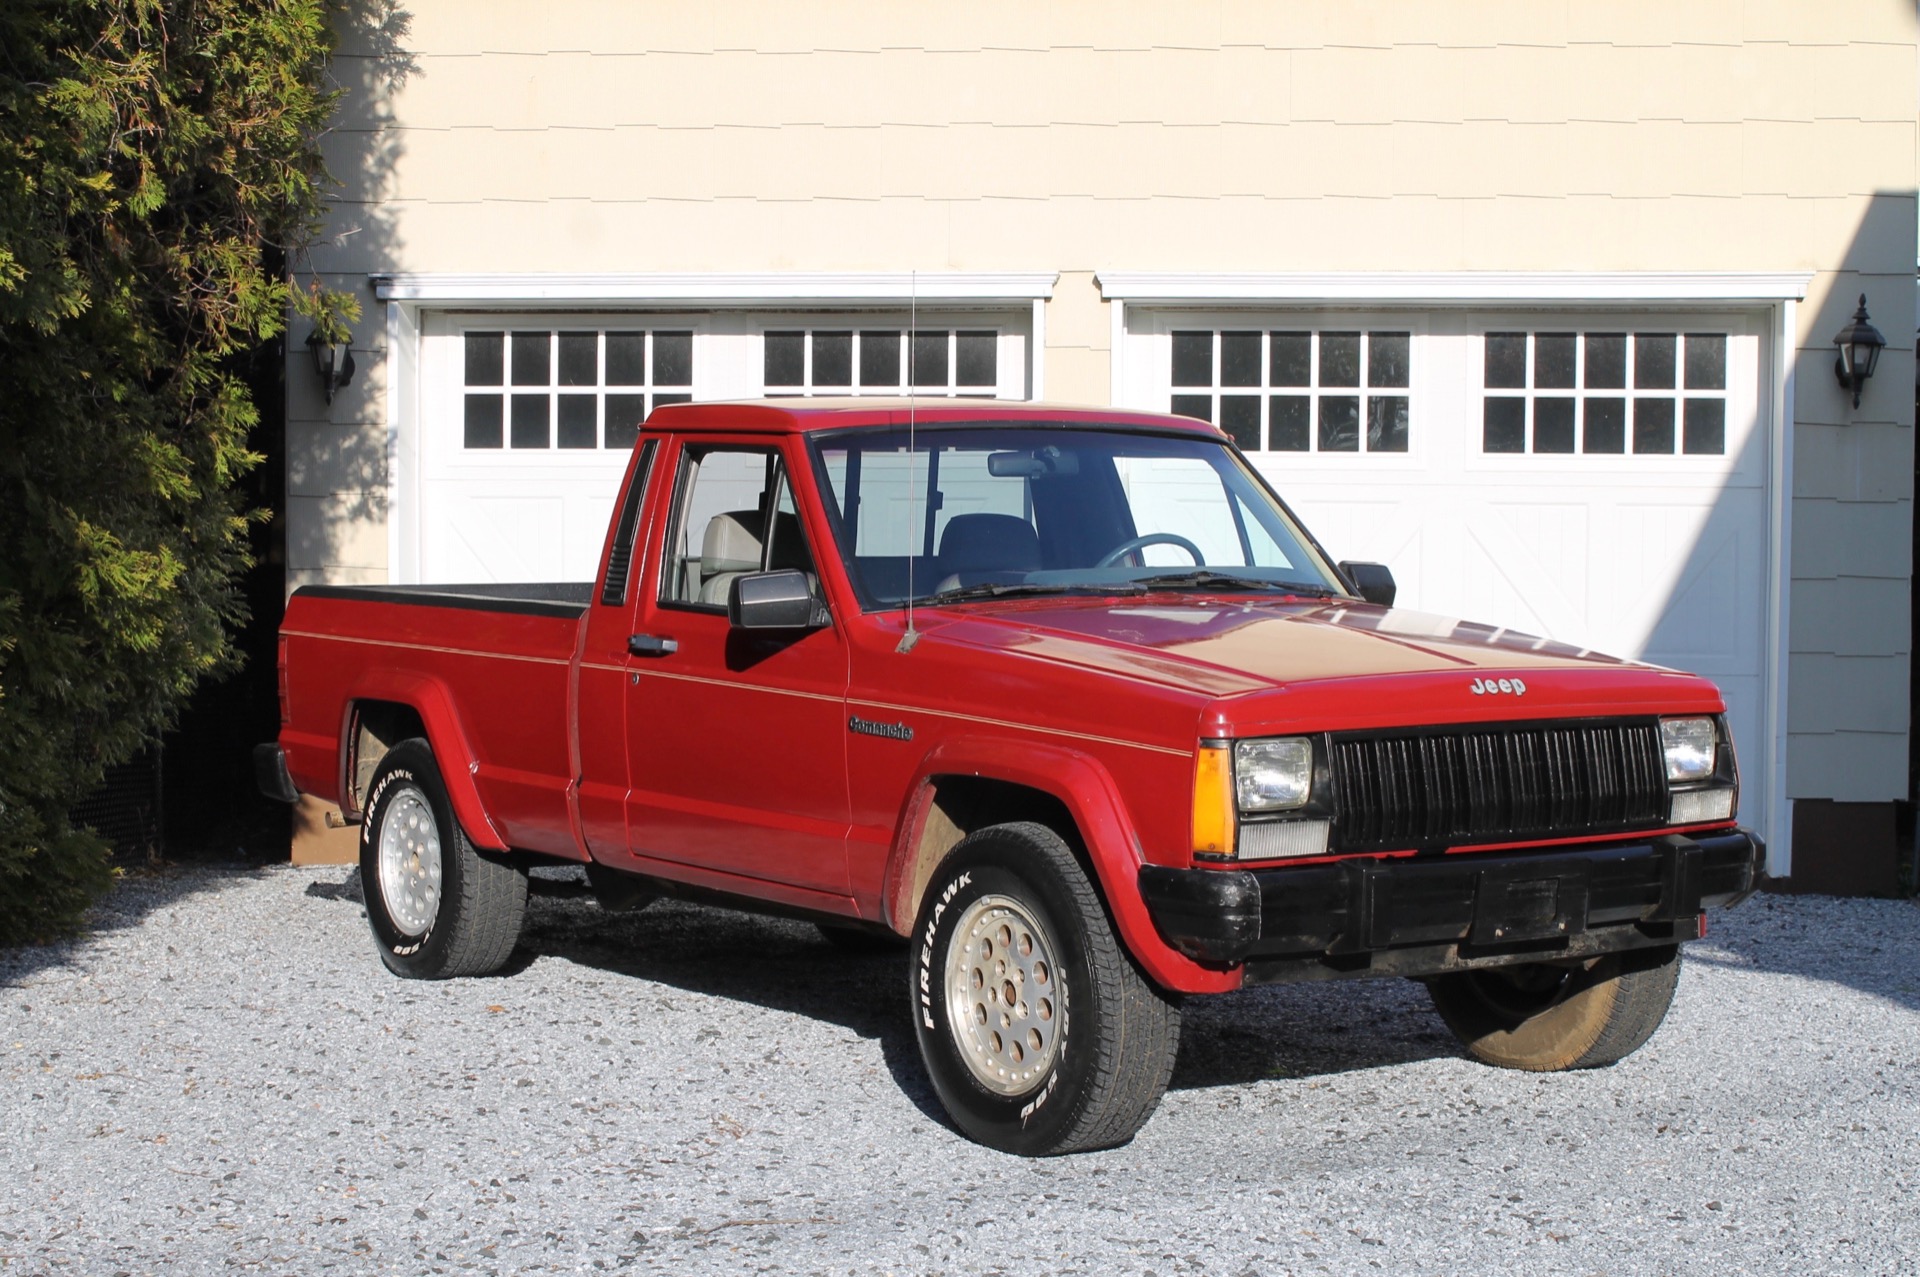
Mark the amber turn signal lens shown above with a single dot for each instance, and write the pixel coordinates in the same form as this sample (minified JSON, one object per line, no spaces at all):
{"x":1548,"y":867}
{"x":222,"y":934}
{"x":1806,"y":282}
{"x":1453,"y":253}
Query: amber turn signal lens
{"x":1213,"y":815}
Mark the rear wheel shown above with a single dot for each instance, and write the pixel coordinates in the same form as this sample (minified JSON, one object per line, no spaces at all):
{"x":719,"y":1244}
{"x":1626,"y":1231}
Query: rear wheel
{"x":438,"y":906}
{"x":1544,"y":1017}
{"x":1039,"y":1034}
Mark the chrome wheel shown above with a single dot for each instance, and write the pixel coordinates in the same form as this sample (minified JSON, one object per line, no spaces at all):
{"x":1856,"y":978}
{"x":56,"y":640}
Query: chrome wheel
{"x":410,"y":862}
{"x":1004,"y":997}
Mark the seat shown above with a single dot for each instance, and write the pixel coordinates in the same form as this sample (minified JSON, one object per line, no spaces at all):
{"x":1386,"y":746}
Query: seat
{"x":729,"y":548}
{"x":980,"y":548}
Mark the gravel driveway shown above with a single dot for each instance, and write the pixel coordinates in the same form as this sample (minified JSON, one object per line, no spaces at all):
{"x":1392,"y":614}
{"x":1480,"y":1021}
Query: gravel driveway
{"x":222,"y":1077}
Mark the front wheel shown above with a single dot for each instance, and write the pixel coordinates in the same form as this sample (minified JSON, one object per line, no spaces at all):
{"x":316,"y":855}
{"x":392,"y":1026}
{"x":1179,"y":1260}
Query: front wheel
{"x":1039,"y":1034}
{"x":438,"y":906}
{"x":1543,"y":1017}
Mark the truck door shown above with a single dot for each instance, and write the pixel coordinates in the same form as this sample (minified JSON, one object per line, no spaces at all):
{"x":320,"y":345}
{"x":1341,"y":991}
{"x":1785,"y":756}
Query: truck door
{"x":736,"y":740}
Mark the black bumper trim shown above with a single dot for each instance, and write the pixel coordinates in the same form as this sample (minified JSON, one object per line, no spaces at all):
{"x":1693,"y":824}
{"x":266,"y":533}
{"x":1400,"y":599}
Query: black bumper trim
{"x":1425,"y":915}
{"x":270,"y":773}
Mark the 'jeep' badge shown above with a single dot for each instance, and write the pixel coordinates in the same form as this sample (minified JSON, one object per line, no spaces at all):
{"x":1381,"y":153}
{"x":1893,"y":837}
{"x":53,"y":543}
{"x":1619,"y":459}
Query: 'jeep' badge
{"x":1508,"y":686}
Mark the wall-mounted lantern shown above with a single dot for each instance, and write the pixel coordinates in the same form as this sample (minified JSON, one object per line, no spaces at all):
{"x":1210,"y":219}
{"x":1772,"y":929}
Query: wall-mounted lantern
{"x":333,"y":362}
{"x":1859,"y":344}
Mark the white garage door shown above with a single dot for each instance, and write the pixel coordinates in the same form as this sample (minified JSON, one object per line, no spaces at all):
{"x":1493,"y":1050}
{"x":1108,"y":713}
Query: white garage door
{"x":526,"y":420}
{"x":1595,"y":479}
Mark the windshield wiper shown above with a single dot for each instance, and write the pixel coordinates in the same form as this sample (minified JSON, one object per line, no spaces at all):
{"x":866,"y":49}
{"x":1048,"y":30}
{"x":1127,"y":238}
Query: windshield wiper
{"x":1207,"y":579}
{"x":1006,"y":589}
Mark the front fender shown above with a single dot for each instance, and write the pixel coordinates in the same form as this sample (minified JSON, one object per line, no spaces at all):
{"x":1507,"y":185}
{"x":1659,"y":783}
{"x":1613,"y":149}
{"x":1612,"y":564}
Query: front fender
{"x":1087,"y":790}
{"x":429,"y":698}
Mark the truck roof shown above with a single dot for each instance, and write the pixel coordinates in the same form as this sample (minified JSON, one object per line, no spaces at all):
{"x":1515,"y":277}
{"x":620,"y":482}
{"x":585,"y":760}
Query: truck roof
{"x":800,"y":416}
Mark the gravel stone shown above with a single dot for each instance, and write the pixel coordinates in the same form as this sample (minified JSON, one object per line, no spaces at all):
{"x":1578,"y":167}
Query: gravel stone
{"x":223,"y":1076}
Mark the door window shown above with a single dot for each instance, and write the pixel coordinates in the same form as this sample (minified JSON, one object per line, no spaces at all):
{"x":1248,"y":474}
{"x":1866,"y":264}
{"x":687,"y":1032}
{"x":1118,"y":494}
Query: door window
{"x":736,"y":515}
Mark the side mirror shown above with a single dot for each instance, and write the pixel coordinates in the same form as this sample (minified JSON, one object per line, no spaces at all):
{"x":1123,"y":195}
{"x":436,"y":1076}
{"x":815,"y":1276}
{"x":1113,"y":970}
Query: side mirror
{"x":1371,"y":581}
{"x":781,"y":600}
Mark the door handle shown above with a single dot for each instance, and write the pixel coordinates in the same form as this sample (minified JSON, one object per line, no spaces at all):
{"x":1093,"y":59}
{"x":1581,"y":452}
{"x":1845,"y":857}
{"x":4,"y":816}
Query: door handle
{"x":652,"y":645}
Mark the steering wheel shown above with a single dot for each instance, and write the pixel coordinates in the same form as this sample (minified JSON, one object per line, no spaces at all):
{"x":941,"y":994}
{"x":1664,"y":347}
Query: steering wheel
{"x":1131,"y":544}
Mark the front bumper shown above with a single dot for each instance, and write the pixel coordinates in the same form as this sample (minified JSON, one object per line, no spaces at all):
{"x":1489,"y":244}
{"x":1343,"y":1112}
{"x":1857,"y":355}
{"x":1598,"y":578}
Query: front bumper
{"x":1424,"y":916}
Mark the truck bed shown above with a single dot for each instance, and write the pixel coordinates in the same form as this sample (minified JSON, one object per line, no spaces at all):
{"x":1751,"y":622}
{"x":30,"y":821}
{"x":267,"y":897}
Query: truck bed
{"x":493,"y":660}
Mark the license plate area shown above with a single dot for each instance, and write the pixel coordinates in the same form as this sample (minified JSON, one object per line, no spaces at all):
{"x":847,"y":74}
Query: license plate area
{"x":1518,"y":904}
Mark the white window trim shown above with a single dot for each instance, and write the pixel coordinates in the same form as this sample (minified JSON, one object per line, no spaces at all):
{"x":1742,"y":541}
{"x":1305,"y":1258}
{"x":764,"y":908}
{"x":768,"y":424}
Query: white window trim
{"x":859,"y":288}
{"x":1775,"y":292}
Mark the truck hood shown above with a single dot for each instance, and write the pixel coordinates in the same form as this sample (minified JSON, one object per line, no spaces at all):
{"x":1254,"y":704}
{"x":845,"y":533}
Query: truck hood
{"x":1310,"y":649}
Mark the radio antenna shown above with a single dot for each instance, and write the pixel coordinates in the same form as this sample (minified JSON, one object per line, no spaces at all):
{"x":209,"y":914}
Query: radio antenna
{"x":912,"y":636}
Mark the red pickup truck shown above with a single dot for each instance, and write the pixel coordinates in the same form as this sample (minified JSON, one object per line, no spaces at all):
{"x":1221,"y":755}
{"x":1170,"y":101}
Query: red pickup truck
{"x":1067,"y":698}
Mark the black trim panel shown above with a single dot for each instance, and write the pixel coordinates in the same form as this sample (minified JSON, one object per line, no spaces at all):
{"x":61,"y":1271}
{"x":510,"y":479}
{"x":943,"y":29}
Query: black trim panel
{"x":1424,"y":915}
{"x":270,"y":773}
{"x":543,"y":598}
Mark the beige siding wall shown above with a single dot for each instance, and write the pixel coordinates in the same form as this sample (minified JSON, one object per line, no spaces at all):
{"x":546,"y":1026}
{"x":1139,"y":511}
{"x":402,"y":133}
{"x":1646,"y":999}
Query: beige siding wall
{"x":1075,"y":137}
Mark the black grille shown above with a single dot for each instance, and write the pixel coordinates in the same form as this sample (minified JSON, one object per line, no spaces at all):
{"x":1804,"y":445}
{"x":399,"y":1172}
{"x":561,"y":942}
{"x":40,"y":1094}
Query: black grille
{"x":1497,"y":784}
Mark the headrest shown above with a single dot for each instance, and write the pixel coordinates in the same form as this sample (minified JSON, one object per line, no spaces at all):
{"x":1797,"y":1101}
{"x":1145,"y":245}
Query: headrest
{"x":730,"y":544}
{"x":989,"y":543}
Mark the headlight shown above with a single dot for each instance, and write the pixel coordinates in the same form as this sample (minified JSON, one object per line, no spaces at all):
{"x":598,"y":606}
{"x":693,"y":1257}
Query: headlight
{"x":1689,"y":745}
{"x":1273,"y":775}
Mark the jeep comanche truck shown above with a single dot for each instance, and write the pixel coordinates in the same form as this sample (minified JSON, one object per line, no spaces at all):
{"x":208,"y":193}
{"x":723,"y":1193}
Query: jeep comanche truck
{"x":1065,"y":697}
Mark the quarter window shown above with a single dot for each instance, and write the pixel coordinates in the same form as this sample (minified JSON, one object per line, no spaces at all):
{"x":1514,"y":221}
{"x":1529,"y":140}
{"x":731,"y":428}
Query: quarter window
{"x":1605,"y":393}
{"x":539,"y":388}
{"x":1297,"y":390}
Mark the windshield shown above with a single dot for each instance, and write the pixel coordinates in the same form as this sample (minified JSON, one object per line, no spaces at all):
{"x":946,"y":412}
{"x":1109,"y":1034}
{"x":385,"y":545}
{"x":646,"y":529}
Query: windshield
{"x":974,"y":512}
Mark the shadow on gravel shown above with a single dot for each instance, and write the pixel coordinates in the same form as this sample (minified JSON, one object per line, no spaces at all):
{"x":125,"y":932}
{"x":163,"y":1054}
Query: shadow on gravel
{"x":136,"y":896}
{"x":1869,"y":945}
{"x":787,"y":966}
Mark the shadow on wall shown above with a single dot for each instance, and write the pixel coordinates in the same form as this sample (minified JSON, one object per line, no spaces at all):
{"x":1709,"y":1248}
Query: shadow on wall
{"x":335,"y":515}
{"x":325,"y":469}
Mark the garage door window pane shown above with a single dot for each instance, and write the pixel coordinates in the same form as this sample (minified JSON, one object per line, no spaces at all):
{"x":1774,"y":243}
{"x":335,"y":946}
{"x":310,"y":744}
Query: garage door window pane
{"x":1606,"y":426}
{"x":1506,"y":361}
{"x":1193,"y":359}
{"x":880,"y":359}
{"x":1291,"y":363}
{"x":1386,"y":423}
{"x":1553,"y":425}
{"x":1504,"y":425}
{"x":1291,"y":418}
{"x":485,"y":358}
{"x":1706,"y":427}
{"x":1240,"y":418}
{"x":1606,"y":361}
{"x":579,"y":359}
{"x":673,"y":359}
{"x":1339,"y":423}
{"x":531,"y":424}
{"x":1553,"y":361}
{"x":1653,"y":425}
{"x":1340,"y":359}
{"x":484,"y":414}
{"x":833,"y":359}
{"x":1706,"y":362}
{"x":1653,"y":361}
{"x":784,"y":359}
{"x":1199,"y":407}
{"x":930,"y":360}
{"x":1240,"y":360}
{"x":578,"y":429}
{"x":1387,"y":359}
{"x":978,"y":358}
{"x":624,"y":415}
{"x":626,"y":359}
{"x":531,"y":358}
